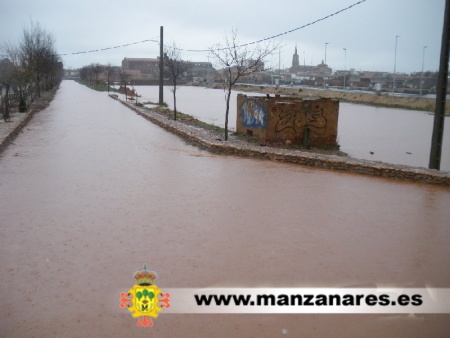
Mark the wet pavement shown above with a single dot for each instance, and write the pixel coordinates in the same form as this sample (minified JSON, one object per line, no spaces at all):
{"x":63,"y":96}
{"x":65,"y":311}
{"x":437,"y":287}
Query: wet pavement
{"x":91,"y":191}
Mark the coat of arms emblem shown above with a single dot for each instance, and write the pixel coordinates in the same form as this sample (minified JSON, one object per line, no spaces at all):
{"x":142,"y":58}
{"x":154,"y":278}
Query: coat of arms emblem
{"x":144,"y":300}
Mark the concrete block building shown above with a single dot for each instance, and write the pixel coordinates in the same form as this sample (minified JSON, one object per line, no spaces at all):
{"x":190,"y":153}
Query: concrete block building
{"x":288,"y":119}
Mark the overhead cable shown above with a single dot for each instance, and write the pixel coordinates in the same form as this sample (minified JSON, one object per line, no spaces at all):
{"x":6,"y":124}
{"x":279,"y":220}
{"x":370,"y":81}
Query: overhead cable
{"x":242,"y":45}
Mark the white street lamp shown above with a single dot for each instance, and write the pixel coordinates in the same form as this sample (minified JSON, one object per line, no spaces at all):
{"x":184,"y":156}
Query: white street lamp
{"x":395,"y":63}
{"x":324,"y":78}
{"x":423,"y":63}
{"x":345,"y":65}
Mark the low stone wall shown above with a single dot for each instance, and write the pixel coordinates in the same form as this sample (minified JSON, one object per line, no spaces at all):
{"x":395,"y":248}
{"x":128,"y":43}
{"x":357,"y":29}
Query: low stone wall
{"x":210,"y":141}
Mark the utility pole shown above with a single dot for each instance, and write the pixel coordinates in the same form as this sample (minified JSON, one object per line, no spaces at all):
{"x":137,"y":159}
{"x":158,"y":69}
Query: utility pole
{"x":279,"y":67}
{"x":161,"y":66}
{"x":438,"y":127}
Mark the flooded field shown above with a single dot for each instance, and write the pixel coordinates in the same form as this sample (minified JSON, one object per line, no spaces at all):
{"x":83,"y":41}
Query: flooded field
{"x":395,"y":136}
{"x":90,"y":191}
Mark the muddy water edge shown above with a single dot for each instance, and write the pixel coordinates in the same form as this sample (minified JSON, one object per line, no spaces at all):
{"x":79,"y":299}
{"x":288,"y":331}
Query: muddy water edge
{"x":91,"y":191}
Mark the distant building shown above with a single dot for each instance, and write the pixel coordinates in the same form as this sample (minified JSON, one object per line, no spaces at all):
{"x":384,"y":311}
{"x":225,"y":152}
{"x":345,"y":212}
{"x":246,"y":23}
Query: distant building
{"x":141,"y":69}
{"x":201,"y":72}
{"x":259,"y":67}
{"x":288,"y":119}
{"x":295,"y":62}
{"x":321,"y":69}
{"x":146,"y":70}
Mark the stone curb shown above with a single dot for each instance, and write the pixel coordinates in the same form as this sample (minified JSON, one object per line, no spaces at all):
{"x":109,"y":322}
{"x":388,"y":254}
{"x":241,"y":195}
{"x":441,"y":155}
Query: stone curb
{"x":197,"y":136}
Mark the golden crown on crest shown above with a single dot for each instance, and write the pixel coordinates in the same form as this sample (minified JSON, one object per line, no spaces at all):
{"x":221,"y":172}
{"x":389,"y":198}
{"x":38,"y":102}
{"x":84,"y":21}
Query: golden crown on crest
{"x":145,"y":277}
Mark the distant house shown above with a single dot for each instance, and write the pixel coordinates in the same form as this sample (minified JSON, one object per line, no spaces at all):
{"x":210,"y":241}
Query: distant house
{"x":146,"y":70}
{"x":201,"y":71}
{"x":141,"y":69}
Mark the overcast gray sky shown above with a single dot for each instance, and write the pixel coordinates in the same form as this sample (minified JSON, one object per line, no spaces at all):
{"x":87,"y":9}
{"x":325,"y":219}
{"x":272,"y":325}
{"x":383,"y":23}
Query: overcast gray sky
{"x":368,"y":31}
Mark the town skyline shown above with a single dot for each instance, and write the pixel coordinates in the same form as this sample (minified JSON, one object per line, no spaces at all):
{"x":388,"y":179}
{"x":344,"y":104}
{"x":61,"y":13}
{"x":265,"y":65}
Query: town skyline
{"x":366,"y":29}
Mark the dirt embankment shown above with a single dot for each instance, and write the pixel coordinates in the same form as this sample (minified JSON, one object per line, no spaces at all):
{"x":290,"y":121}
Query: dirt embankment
{"x":383,"y":100}
{"x":44,"y":100}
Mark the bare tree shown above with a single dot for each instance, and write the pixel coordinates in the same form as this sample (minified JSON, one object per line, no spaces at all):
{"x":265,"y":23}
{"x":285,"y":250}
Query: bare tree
{"x":123,"y":80}
{"x":13,"y":70}
{"x":237,"y":61}
{"x":97,"y":69}
{"x":6,"y":79}
{"x":31,"y":63}
{"x":174,"y":68}
{"x":84,"y":73}
{"x":7,"y":70}
{"x":37,"y":51}
{"x":109,"y":70}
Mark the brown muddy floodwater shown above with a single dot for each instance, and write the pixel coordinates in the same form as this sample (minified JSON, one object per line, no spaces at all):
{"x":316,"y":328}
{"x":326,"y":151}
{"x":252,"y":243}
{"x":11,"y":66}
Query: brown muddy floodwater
{"x":396,"y":136}
{"x":90,"y":192}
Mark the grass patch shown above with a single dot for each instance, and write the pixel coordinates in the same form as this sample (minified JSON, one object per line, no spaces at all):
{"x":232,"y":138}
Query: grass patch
{"x":163,"y":105}
{"x":187,"y":119}
{"x":97,"y":87}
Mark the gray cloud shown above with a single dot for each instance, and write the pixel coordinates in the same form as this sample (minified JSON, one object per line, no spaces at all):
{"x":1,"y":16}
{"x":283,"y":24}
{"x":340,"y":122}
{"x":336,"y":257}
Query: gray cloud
{"x":367,"y":31}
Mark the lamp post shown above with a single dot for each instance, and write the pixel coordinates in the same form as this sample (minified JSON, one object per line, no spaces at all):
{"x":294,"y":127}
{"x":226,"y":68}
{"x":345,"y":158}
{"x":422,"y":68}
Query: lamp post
{"x":345,"y":65}
{"x":161,"y":65}
{"x":423,"y":63}
{"x":395,"y":63}
{"x":325,"y":62}
{"x":279,"y":67}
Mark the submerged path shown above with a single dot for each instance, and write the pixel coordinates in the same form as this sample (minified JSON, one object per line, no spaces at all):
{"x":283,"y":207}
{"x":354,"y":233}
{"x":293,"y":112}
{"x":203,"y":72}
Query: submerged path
{"x":91,"y":191}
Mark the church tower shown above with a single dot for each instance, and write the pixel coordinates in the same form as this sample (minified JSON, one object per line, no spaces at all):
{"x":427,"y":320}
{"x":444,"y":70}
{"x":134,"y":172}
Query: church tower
{"x":295,"y":61}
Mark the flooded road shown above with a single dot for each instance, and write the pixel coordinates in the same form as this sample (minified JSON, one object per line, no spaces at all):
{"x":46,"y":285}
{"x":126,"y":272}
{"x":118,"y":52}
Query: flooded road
{"x":90,"y":192}
{"x":396,"y":136}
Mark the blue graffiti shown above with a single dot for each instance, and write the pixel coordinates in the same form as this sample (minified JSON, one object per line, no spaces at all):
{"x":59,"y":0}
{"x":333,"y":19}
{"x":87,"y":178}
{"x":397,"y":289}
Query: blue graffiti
{"x":253,"y":115}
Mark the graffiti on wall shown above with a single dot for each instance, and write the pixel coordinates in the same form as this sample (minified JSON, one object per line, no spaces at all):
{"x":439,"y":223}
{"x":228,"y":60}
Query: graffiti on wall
{"x":292,"y":122}
{"x":253,"y":114}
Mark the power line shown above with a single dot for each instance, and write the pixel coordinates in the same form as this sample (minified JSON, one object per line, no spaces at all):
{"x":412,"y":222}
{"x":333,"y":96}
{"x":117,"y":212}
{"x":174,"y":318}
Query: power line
{"x":289,"y":31}
{"x":243,"y":45}
{"x":107,"y":48}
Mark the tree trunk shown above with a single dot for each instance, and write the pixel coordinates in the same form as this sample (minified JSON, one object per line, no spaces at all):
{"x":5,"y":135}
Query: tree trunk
{"x":226,"y":112}
{"x":38,"y":86}
{"x":174,"y":101}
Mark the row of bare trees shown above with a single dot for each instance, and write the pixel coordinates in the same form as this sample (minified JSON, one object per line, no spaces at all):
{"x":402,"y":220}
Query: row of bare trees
{"x":235,"y":61}
{"x":33,"y":62}
{"x":90,"y":74}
